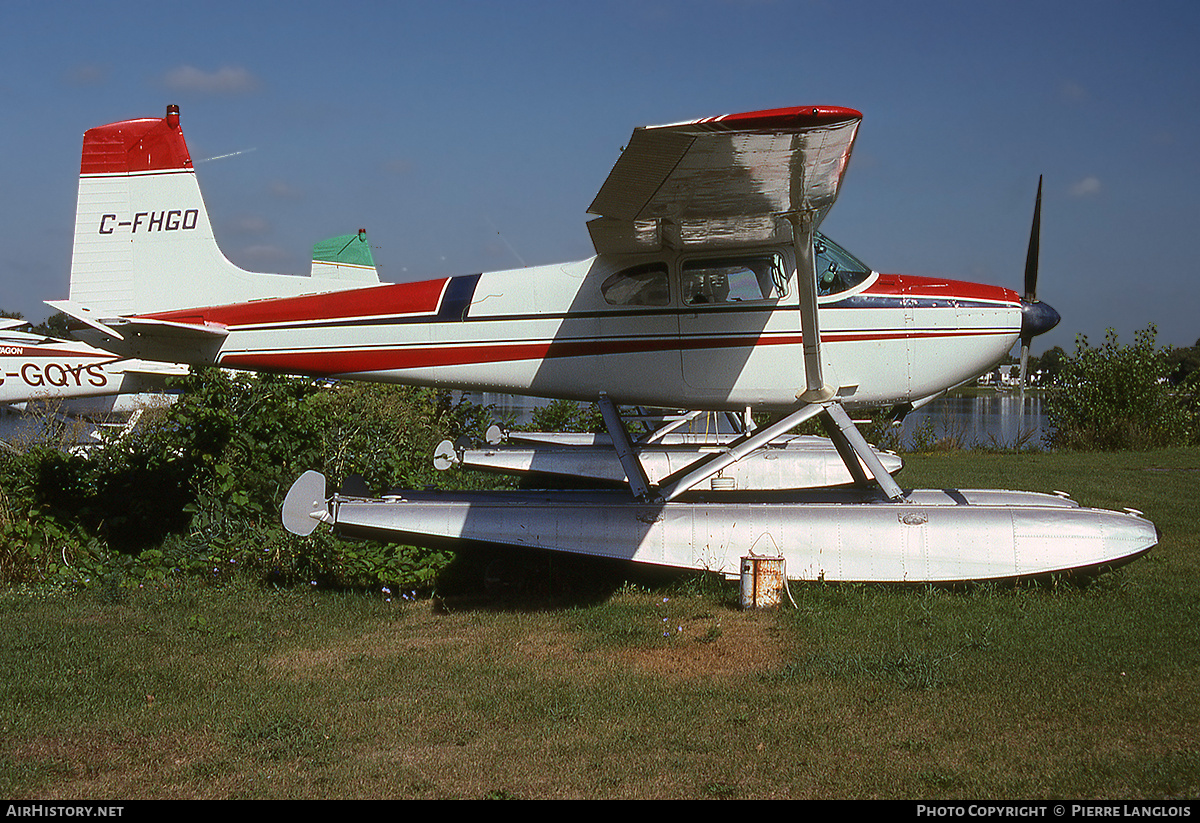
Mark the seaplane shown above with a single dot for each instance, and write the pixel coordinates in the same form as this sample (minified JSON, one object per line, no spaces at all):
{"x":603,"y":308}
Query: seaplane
{"x":712,"y":289}
{"x":72,"y":375}
{"x":69,"y":393}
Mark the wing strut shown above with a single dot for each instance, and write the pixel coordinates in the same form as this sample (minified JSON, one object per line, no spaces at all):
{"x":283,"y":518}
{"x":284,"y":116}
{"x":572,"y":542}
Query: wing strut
{"x":845,"y":434}
{"x":817,"y":397}
{"x":699,"y":471}
{"x":849,"y":431}
{"x":639,"y":484}
{"x":803,"y":227}
{"x":662,"y":432}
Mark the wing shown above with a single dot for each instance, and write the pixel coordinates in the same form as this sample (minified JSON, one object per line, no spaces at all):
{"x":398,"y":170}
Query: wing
{"x":725,"y":180}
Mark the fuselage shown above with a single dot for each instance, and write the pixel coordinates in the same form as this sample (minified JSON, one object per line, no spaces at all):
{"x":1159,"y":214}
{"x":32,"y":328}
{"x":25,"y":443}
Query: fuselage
{"x":34,"y":368}
{"x":718,"y":330}
{"x":692,"y":301}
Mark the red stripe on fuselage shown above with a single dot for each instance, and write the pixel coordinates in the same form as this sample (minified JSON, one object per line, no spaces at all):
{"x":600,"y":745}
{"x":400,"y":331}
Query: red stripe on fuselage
{"x":423,"y":299}
{"x":388,"y":300}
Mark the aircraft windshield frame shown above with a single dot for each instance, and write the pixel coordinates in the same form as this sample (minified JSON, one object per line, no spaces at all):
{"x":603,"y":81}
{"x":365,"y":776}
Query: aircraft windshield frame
{"x":837,"y":269}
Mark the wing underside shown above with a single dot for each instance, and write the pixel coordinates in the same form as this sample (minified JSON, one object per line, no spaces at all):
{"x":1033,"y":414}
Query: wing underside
{"x":723,"y":181}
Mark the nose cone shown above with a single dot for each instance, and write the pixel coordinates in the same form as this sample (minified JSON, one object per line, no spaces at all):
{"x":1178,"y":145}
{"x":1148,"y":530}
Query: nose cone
{"x":1037,"y":318}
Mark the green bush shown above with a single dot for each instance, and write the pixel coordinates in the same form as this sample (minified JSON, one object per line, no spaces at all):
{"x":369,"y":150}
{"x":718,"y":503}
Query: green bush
{"x":1116,"y":397}
{"x":566,"y":416}
{"x":197,"y":488}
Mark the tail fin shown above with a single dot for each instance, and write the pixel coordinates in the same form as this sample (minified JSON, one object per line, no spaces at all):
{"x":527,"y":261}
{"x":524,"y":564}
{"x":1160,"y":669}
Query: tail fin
{"x":143,"y":241}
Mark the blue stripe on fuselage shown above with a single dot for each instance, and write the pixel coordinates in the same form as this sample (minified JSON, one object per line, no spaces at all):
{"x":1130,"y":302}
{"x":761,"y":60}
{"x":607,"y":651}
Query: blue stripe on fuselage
{"x":457,"y":299}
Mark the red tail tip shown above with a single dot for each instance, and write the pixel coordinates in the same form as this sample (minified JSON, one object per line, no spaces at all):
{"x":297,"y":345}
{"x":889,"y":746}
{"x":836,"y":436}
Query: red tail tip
{"x":131,"y":146}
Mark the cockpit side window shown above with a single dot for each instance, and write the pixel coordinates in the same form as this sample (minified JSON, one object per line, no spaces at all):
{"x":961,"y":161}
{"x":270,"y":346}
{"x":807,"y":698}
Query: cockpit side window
{"x":733,"y":279}
{"x":645,"y":285}
{"x":837,"y":269}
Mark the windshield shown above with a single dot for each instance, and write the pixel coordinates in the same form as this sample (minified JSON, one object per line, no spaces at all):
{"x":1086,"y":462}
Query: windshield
{"x":837,"y":269}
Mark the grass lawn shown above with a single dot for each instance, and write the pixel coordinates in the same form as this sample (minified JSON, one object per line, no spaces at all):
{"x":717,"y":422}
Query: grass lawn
{"x":192,"y":691}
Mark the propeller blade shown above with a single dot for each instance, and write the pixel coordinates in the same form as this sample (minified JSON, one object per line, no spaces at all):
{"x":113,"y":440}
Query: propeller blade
{"x":1031,"y":259}
{"x":1031,"y":273}
{"x":1036,"y":317}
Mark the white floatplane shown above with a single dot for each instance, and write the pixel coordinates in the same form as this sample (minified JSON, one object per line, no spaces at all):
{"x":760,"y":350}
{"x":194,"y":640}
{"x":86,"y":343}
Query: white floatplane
{"x":35,"y":367}
{"x":711,"y":289}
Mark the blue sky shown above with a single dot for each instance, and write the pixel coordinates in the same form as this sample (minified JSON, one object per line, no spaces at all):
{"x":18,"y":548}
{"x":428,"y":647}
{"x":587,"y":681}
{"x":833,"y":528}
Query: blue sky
{"x":468,"y":136}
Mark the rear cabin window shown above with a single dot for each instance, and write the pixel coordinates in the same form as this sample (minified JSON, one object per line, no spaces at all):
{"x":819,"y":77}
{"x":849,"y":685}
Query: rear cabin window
{"x":837,"y":269}
{"x":733,"y":279}
{"x":646,"y":285}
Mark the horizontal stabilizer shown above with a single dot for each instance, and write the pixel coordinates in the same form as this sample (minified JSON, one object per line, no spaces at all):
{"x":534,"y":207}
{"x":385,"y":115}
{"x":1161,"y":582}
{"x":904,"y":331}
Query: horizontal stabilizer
{"x":155,"y":369}
{"x":84,"y":315}
{"x":145,"y":338}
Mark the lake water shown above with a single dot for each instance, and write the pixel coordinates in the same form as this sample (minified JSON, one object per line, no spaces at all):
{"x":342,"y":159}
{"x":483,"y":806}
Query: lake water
{"x":986,"y":420}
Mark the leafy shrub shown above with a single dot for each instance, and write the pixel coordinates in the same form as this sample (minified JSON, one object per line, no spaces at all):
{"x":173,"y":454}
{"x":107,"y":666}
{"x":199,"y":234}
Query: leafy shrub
{"x":1117,"y":397}
{"x":566,"y":416}
{"x":198,"y":488}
